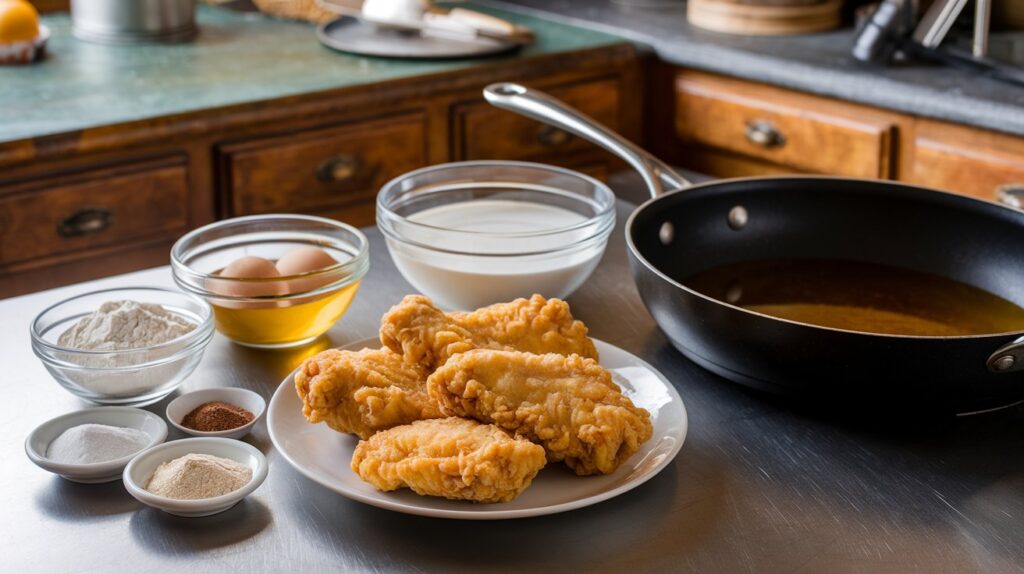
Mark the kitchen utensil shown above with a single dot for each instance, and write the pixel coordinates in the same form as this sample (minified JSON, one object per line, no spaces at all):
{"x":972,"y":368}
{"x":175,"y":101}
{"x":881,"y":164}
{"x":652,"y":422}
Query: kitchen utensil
{"x":38,"y":442}
{"x":133,"y":377}
{"x":354,"y":36}
{"x":529,"y":228}
{"x":937,"y":21}
{"x":273,"y":312}
{"x":677,"y":234}
{"x":133,"y":21}
{"x":882,"y":32}
{"x":314,"y":450}
{"x":138,"y":472}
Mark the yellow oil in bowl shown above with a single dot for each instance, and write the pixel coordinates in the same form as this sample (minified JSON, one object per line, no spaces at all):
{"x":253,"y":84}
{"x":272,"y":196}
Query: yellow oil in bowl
{"x":283,"y":323}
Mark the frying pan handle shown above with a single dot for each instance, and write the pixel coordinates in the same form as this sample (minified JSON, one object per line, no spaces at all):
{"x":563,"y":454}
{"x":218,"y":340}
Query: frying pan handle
{"x":657,"y":175}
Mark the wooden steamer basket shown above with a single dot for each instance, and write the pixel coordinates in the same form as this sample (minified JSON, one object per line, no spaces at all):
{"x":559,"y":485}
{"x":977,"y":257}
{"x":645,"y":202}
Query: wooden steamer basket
{"x":306,"y":10}
{"x":764,"y":17}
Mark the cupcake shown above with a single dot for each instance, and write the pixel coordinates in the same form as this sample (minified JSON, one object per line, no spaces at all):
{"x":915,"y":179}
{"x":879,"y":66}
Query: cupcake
{"x":22,"y":38}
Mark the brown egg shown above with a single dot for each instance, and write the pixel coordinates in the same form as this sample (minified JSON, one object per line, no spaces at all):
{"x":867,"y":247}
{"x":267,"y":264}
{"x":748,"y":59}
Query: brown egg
{"x":304,"y":260}
{"x":249,"y":267}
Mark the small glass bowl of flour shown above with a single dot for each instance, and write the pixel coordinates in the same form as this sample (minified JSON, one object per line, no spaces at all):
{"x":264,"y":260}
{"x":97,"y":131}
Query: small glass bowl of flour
{"x":129,"y":346}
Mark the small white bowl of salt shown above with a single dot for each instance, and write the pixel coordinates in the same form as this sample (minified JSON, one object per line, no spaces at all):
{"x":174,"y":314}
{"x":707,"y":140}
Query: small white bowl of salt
{"x":196,"y":476}
{"x":94,"y":445}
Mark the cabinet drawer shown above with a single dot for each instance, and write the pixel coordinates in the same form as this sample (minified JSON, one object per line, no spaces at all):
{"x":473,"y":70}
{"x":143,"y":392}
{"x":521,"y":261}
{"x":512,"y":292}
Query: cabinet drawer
{"x":965,"y":161}
{"x":323,"y":170}
{"x":107,"y":207}
{"x":597,"y":170}
{"x":485,"y":132}
{"x":784,"y":128}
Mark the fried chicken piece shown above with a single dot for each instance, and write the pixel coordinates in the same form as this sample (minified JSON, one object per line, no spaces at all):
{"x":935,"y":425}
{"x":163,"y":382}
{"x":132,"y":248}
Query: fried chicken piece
{"x":569,"y":405}
{"x":362,"y":392}
{"x":427,"y":335}
{"x":455,"y":458}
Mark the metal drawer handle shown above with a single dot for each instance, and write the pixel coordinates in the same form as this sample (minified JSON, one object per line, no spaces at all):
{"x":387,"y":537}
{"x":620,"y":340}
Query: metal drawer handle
{"x":85,"y":221}
{"x":763,"y":133}
{"x":551,"y":136}
{"x":338,"y":168}
{"x":1011,"y":194}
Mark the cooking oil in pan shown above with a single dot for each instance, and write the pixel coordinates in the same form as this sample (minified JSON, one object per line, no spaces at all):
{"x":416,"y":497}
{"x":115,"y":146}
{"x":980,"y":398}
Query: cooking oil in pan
{"x":857,"y":296}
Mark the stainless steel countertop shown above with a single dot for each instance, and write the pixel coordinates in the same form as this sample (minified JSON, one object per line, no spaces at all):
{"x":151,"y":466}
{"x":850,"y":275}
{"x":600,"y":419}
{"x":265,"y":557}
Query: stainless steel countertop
{"x":760,"y":485}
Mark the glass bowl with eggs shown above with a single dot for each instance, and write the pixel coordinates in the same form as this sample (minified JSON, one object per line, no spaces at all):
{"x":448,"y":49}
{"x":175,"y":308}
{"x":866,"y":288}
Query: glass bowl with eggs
{"x":273,"y":281}
{"x":469,"y":234}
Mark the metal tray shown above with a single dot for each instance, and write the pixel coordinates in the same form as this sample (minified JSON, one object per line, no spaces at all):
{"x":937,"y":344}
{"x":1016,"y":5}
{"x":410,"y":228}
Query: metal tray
{"x":353,"y":36}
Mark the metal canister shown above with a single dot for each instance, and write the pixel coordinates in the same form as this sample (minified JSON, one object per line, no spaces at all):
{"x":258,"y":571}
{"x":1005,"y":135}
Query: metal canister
{"x":133,"y":21}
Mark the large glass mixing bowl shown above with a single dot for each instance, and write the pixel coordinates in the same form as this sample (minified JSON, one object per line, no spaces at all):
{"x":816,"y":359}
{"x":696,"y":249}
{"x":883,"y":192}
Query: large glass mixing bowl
{"x":470,"y":234}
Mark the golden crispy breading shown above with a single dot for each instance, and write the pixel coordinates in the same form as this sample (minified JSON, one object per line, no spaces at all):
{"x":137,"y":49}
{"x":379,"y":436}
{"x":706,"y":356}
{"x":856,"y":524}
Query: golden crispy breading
{"x":569,"y":405}
{"x":455,"y":458}
{"x":362,"y":392}
{"x":427,"y":335}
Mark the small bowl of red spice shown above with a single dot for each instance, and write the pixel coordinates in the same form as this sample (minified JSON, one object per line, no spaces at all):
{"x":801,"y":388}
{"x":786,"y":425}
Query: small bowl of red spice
{"x":228,"y":412}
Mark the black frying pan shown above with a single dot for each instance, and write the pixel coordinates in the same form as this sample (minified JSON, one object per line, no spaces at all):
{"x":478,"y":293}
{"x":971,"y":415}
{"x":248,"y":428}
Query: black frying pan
{"x":686,"y":229}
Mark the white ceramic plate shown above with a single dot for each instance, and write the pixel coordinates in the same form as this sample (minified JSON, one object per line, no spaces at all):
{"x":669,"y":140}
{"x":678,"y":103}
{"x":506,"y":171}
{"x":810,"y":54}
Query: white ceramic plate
{"x":323,"y":455}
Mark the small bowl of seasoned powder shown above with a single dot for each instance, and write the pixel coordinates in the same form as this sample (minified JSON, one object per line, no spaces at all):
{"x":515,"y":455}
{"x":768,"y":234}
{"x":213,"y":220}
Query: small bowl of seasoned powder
{"x":196,"y":476}
{"x":228,"y":412}
{"x":94,"y":445}
{"x":129,"y":346}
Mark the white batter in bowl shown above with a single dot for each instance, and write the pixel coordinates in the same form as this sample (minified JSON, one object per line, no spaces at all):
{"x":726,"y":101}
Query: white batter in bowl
{"x":470,"y":234}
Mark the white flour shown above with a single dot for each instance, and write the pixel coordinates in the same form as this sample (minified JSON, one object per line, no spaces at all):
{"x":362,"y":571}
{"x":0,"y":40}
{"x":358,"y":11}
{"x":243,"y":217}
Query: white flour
{"x":89,"y":443}
{"x":124,"y":325}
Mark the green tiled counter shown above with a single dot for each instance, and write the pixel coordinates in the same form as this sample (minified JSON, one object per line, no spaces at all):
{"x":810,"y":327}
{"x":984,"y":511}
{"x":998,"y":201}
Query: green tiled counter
{"x":237,"y":58}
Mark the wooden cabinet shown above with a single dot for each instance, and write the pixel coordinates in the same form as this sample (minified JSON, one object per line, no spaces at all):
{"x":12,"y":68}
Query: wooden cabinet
{"x":485,"y":132}
{"x":755,"y":122}
{"x":83,"y":205}
{"x":333,"y":171}
{"x":55,"y":217}
{"x":60,"y":224}
{"x":728,"y":128}
{"x":963,"y":160}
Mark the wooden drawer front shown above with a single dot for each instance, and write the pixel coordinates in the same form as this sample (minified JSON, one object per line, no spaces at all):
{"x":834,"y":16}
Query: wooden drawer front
{"x":967,"y":162}
{"x":485,"y":132}
{"x":111,"y":207}
{"x":325,"y":169}
{"x":781,"y":127}
{"x":598,"y":170}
